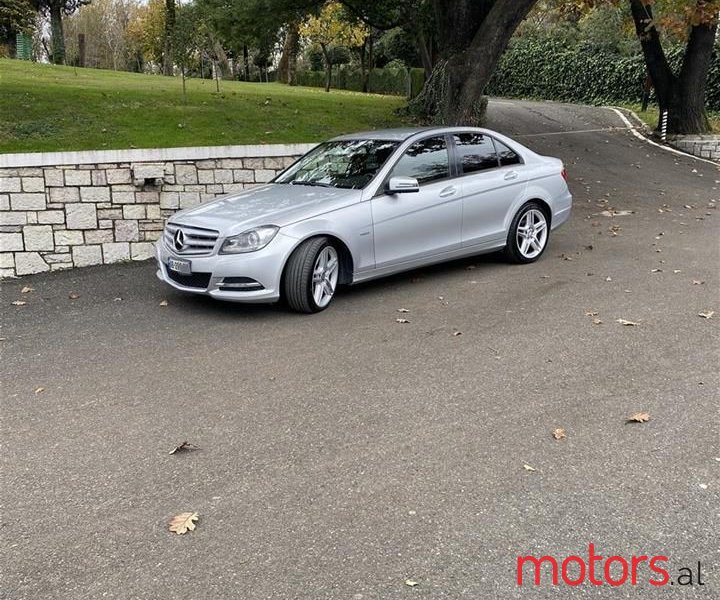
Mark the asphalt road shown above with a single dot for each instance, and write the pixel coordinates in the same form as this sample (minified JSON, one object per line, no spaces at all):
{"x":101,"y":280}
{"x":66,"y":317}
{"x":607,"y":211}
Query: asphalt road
{"x":343,"y":453}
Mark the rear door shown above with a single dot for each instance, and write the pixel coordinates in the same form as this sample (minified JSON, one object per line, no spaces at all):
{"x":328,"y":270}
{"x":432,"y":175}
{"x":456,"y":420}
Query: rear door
{"x":491,"y":180}
{"x":414,"y":225}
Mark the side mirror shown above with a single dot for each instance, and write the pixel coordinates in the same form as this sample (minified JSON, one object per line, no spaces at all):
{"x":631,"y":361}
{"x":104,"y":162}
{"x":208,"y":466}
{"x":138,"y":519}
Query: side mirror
{"x":402,"y":185}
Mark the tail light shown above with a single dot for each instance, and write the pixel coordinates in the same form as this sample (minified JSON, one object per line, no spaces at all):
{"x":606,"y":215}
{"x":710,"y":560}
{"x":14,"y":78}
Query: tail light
{"x":564,"y":174}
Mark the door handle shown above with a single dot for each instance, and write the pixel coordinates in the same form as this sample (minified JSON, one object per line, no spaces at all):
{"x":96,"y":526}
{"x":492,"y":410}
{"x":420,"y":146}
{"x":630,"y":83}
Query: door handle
{"x":511,"y":175}
{"x":448,"y":191}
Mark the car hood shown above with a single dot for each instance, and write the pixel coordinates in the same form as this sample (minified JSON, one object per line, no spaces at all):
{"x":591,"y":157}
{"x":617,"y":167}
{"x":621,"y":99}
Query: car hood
{"x":272,"y":204}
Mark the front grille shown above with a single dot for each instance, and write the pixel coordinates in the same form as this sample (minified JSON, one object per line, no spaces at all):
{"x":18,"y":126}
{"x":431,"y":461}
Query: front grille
{"x":194,"y":280}
{"x":197,"y":240}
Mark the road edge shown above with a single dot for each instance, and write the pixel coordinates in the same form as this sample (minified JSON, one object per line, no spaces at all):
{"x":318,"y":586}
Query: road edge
{"x":634,"y":130}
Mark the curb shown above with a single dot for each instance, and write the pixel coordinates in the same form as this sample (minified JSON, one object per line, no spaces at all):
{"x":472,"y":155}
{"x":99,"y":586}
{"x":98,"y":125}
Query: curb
{"x":635,"y":130}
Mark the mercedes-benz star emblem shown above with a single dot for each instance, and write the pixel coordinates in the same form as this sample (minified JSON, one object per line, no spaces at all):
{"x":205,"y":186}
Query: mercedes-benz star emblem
{"x":179,"y":240}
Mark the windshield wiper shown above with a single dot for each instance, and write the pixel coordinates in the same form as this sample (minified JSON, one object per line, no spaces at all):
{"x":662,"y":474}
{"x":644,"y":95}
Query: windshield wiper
{"x":313,"y":183}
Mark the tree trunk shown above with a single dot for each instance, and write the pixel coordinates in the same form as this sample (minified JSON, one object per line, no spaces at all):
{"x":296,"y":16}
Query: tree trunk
{"x":56,"y":33}
{"x":287,"y":66}
{"x":328,"y":67}
{"x":168,"y":55}
{"x":683,"y":95}
{"x":246,"y":62}
{"x":424,"y":50}
{"x":472,"y":36}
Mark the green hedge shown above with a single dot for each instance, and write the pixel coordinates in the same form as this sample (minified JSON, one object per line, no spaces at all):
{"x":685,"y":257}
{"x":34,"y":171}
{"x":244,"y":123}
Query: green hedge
{"x":548,"y":70}
{"x":381,"y":81}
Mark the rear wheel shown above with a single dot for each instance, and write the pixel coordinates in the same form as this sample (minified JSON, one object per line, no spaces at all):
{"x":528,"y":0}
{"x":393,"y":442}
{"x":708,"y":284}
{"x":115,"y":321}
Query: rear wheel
{"x":311,"y":276}
{"x":528,"y":235}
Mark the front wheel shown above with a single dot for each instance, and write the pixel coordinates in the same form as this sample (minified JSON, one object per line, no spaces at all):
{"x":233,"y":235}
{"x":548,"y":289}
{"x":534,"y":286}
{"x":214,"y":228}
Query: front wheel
{"x":528,"y":235}
{"x":311,"y":276}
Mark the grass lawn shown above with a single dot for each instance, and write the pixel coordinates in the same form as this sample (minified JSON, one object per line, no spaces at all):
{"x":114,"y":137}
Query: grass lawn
{"x":650,"y":116}
{"x":47,"y":108}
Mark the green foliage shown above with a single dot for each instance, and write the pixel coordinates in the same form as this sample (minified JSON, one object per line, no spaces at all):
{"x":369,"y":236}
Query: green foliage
{"x":550,"y":70}
{"x":392,"y":82}
{"x":15,"y":16}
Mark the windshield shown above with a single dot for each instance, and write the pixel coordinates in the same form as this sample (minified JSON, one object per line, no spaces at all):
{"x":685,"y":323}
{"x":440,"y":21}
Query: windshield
{"x":349,"y":164}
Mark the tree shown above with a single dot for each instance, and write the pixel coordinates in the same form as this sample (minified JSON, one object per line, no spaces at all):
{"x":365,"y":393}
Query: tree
{"x":168,"y":62}
{"x":146,"y":32}
{"x":288,"y":59}
{"x":56,"y":9}
{"x":331,"y":28}
{"x":682,"y":95}
{"x":16,"y":16}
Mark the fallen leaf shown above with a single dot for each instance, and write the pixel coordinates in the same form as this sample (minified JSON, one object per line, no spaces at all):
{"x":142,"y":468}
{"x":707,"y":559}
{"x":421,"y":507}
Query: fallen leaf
{"x":697,"y":282}
{"x":411,"y":582}
{"x":185,"y":446}
{"x":591,"y":313}
{"x":626,"y":322}
{"x":559,"y":434}
{"x":457,"y":333}
{"x":401,"y":321}
{"x":707,"y":314}
{"x":544,"y":276}
{"x":183,"y":522}
{"x":163,"y":303}
{"x":18,"y":303}
{"x":528,"y":468}
{"x":656,"y":271}
{"x":608,"y":279}
{"x":616,"y":213}
{"x":640,"y":417}
{"x":27,"y":289}
{"x":73,"y":296}
{"x":677,"y":271}
{"x":403,"y":310}
{"x":39,"y":390}
{"x":597,"y":322}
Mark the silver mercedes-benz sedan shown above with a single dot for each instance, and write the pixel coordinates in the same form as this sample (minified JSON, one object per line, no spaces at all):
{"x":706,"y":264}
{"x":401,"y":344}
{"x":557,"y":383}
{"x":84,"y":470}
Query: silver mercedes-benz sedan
{"x":366,"y":205}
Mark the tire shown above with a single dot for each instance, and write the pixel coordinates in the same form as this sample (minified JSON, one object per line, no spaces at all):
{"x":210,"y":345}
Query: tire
{"x":529,"y":234}
{"x":311,"y":276}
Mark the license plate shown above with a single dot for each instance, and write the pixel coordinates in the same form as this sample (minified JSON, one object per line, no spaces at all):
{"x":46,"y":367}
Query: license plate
{"x":180,"y":266}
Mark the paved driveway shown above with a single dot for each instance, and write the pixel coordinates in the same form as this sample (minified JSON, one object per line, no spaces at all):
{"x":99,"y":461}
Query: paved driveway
{"x":343,"y":454}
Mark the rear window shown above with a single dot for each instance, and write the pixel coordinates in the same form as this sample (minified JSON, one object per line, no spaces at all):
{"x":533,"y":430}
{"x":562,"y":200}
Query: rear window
{"x":476,"y":152}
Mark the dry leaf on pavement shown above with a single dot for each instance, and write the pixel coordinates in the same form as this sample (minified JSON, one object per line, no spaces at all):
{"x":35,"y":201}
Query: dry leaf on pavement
{"x":559,"y":434}
{"x":707,"y":314}
{"x":591,"y":313}
{"x":163,"y":303}
{"x":640,"y":417}
{"x":626,"y":322}
{"x":697,"y":282}
{"x":401,"y":321}
{"x":597,"y":321}
{"x":27,"y":289}
{"x":411,"y":582}
{"x":185,"y":446}
{"x":183,"y":522}
{"x":403,"y":310}
{"x":528,"y":468}
{"x":457,"y":333}
{"x":18,"y":303}
{"x":73,"y":296}
{"x":39,"y":390}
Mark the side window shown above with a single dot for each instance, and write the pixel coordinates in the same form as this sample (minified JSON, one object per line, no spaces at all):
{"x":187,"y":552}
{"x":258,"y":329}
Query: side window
{"x":426,"y":161}
{"x":507,"y":156}
{"x":475,"y":152}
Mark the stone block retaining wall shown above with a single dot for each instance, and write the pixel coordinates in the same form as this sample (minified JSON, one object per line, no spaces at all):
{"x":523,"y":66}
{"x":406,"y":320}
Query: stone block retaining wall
{"x":704,"y":146}
{"x":73,"y":209}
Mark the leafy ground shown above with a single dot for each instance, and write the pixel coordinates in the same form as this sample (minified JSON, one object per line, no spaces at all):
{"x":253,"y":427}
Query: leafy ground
{"x":650,"y":116}
{"x":47,"y":108}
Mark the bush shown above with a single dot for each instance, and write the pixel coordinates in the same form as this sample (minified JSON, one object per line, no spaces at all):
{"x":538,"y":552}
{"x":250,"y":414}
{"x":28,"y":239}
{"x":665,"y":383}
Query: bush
{"x":380,"y":81}
{"x":545,"y":69}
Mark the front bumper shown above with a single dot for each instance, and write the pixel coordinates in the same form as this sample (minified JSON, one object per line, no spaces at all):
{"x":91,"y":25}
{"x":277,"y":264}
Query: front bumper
{"x":264,"y":266}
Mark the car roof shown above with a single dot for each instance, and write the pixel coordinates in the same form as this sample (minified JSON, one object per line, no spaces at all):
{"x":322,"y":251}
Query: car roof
{"x":400,"y":134}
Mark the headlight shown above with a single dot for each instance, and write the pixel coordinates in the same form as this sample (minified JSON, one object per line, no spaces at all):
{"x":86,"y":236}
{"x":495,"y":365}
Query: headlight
{"x":249,"y":241}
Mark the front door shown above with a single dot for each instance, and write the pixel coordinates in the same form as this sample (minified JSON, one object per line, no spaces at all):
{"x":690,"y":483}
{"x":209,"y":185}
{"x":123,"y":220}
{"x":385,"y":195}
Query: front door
{"x":411,"y":226}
